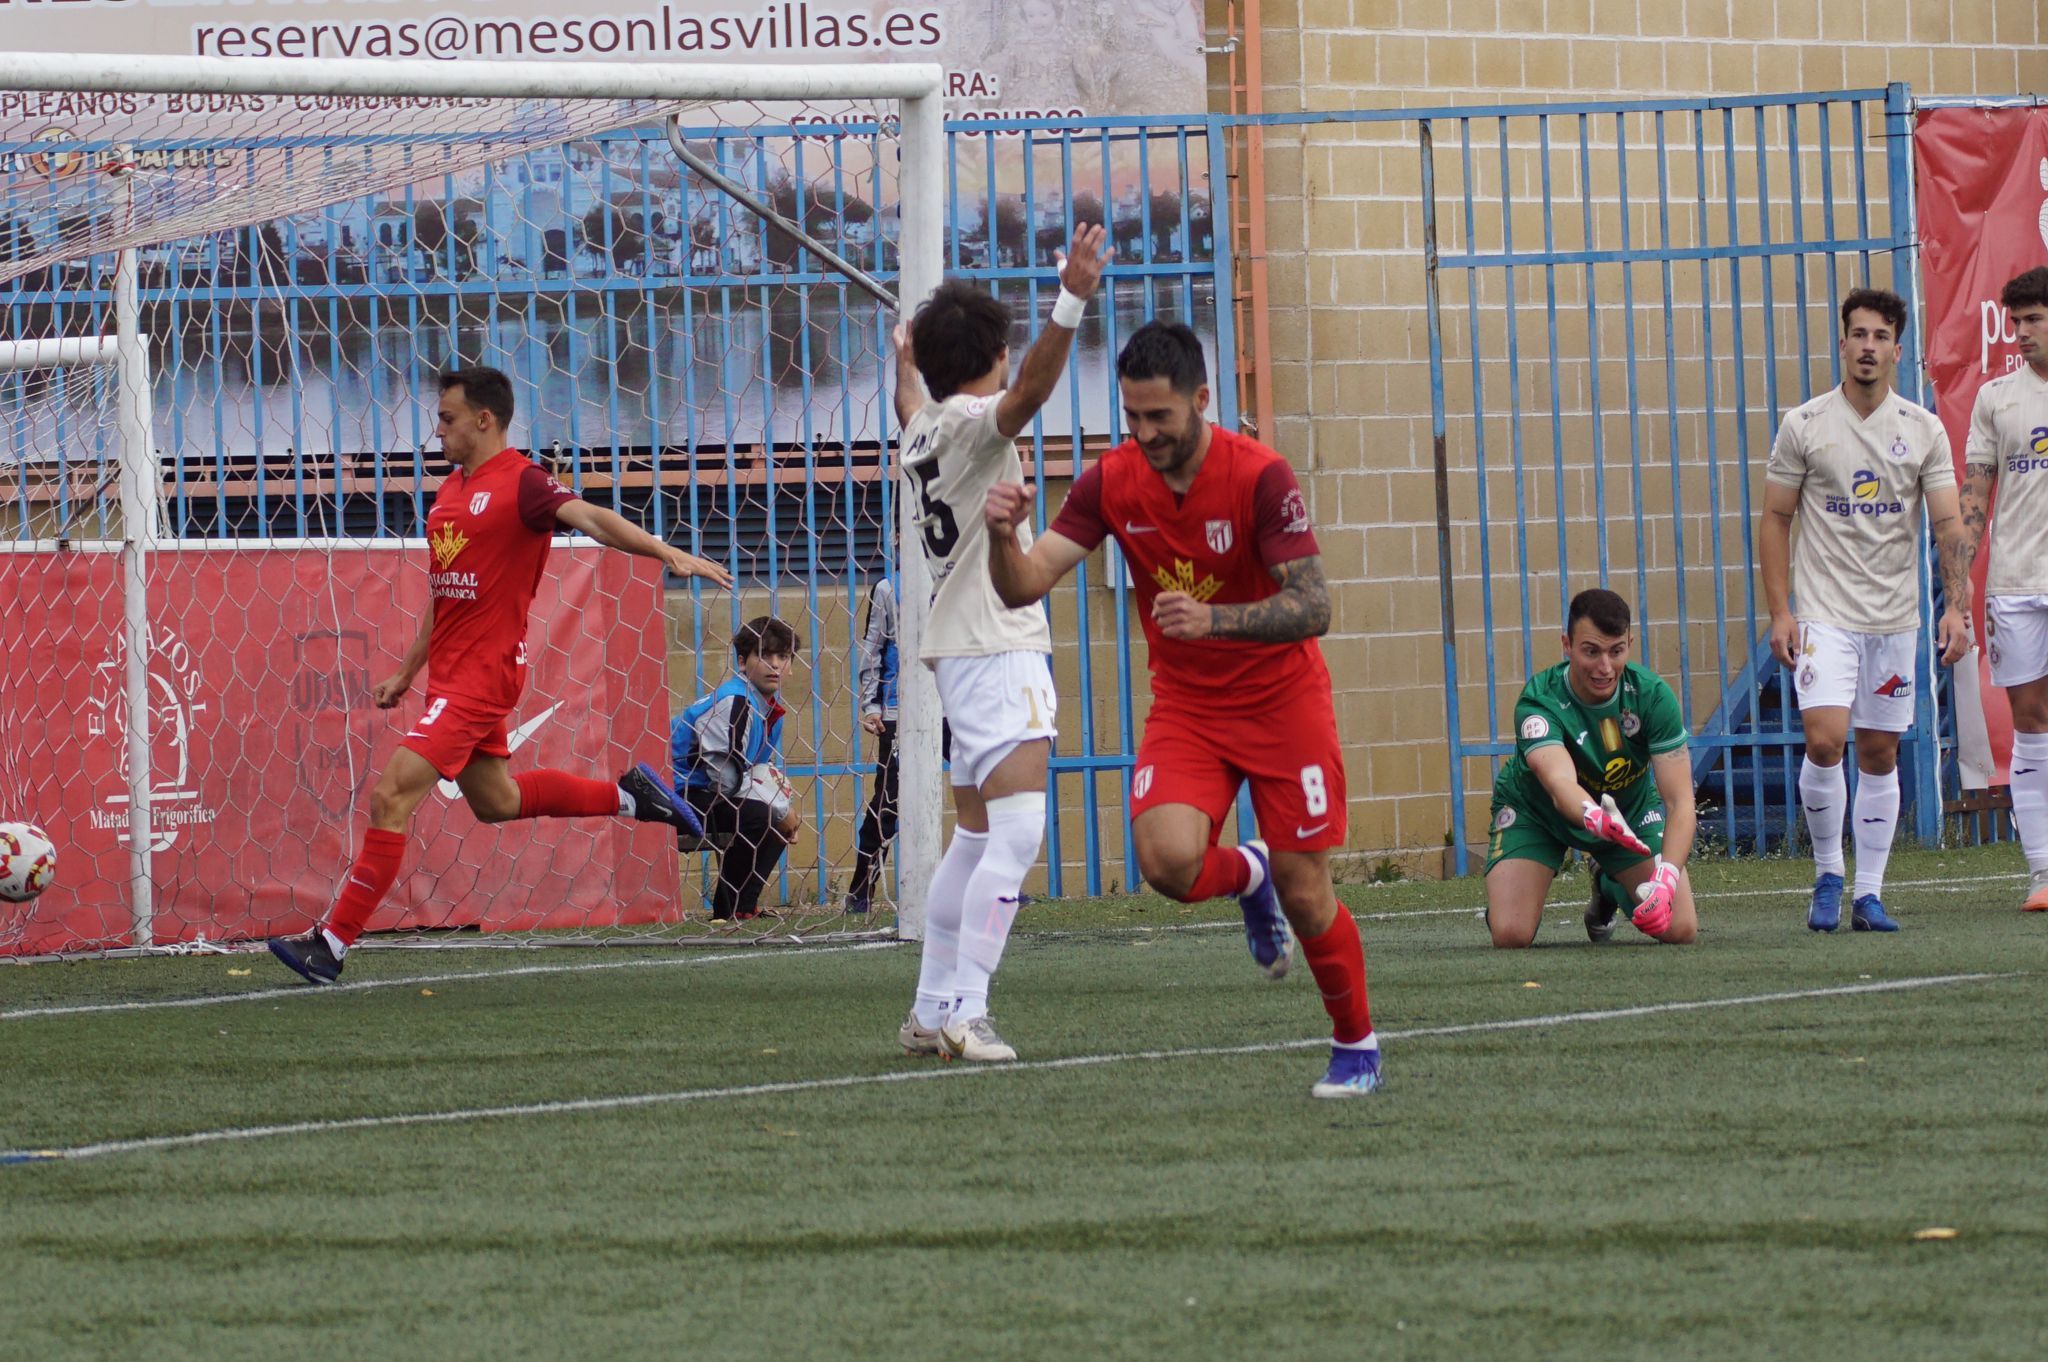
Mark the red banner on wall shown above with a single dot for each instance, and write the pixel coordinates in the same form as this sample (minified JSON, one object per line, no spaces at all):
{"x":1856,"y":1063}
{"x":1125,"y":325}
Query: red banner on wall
{"x":265,"y":745}
{"x":1982,"y":183}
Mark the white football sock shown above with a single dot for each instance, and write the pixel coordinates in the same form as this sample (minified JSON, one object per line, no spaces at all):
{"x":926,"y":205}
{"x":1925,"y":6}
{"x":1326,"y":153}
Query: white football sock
{"x":1877,"y":813}
{"x":1824,"y":795}
{"x":334,"y":943}
{"x":2030,"y":796}
{"x":942,"y":927}
{"x":1258,"y":878}
{"x":1016,"y":829}
{"x":629,"y":807}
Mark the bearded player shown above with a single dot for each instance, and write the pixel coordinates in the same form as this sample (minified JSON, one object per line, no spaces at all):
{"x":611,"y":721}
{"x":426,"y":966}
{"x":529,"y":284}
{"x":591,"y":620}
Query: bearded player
{"x":488,"y":536}
{"x":1600,"y":767}
{"x":961,"y":417}
{"x":2007,"y":454}
{"x":1230,"y":580}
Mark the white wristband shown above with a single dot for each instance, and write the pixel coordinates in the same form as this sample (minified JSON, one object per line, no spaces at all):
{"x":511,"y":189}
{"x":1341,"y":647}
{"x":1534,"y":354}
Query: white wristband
{"x":1067,"y":311}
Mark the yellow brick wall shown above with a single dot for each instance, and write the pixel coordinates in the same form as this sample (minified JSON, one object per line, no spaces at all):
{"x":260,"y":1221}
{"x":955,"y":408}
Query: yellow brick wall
{"x":1349,"y":344}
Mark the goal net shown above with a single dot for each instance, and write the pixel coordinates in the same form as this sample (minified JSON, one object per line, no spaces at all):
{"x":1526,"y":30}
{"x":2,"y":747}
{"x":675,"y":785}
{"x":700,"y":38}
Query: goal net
{"x":228,"y":289}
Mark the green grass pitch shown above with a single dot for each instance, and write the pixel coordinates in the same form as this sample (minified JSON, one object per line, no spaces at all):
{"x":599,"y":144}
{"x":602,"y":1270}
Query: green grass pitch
{"x":1723,"y":1151}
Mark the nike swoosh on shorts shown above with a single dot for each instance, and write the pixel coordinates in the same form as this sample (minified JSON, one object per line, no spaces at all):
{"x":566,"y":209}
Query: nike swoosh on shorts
{"x":515,"y":740}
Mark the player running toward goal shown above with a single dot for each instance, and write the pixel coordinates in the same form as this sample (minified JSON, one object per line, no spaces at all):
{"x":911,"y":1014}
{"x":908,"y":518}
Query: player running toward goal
{"x":1230,"y":581}
{"x":1854,"y":465}
{"x":990,"y":661}
{"x":488,"y":538}
{"x":2007,"y":450}
{"x":1601,"y":767}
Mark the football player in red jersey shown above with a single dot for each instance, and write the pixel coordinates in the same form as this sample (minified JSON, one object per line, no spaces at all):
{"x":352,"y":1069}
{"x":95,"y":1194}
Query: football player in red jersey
{"x":488,"y":538}
{"x":1231,"y":584}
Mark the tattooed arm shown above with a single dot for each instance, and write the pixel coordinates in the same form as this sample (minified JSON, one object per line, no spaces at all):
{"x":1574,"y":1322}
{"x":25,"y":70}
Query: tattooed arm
{"x":1299,"y":609}
{"x":1958,"y":550}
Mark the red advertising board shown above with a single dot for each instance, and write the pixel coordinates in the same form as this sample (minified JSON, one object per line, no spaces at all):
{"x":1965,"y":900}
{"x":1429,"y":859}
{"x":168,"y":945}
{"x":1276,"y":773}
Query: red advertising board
{"x":265,"y":744}
{"x":1982,"y":186}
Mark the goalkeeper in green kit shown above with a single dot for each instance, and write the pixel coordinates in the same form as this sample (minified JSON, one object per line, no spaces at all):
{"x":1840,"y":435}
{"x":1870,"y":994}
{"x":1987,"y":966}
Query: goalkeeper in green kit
{"x":1601,"y":767}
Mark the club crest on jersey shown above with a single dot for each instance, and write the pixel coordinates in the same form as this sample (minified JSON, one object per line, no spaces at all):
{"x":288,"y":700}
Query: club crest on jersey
{"x":1899,"y":449}
{"x":478,"y":502}
{"x":1631,"y":722}
{"x":447,"y":544}
{"x":1218,"y":533}
{"x":1505,"y":819}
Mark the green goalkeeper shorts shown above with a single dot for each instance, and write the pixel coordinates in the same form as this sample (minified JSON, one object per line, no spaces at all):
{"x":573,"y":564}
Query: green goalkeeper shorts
{"x":1522,"y":835}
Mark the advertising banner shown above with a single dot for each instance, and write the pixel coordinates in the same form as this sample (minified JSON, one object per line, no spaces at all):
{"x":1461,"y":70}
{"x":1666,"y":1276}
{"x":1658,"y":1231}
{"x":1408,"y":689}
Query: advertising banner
{"x":265,"y":745}
{"x":1982,"y":182}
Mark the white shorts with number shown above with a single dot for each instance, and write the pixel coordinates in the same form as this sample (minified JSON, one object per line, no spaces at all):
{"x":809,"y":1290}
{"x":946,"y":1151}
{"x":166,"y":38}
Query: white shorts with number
{"x":995,"y":704}
{"x":1870,"y":675}
{"x":2016,"y":638}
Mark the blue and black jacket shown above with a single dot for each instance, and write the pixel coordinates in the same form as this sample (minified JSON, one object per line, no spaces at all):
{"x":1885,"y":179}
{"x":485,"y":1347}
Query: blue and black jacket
{"x":714,"y":742}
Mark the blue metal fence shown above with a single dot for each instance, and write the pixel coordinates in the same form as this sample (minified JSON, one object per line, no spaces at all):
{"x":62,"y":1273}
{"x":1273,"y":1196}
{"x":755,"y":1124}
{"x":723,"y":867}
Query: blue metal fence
{"x":1734,"y":238}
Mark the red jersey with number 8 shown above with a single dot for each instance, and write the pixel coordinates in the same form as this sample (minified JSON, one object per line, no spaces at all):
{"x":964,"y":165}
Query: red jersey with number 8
{"x":1243,"y":515}
{"x":487,"y":546}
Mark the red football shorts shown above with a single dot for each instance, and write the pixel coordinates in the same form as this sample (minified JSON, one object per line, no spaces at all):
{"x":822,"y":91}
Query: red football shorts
{"x":451,"y":730}
{"x":1291,"y":758}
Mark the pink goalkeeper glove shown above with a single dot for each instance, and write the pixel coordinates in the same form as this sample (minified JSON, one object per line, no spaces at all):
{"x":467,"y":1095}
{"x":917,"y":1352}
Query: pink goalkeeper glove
{"x":1604,"y":820}
{"x":1653,"y":907}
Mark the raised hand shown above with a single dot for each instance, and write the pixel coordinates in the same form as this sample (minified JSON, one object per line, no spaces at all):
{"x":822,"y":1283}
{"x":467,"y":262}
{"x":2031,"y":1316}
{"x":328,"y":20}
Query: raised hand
{"x":1604,"y":821}
{"x":1082,"y":263}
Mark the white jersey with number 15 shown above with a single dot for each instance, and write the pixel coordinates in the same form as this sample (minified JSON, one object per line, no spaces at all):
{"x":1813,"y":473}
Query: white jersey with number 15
{"x":952,"y":455}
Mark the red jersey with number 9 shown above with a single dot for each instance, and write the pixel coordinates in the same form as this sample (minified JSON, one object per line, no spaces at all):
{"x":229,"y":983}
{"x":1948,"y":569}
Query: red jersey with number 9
{"x":1243,"y":515}
{"x":487,"y":546}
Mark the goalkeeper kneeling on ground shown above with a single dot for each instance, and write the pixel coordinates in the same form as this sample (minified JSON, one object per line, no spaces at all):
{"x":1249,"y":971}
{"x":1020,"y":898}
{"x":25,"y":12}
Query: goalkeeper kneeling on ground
{"x":727,"y":752}
{"x":1600,"y":767}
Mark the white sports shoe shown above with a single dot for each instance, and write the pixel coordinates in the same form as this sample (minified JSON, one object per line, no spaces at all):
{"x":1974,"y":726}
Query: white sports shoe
{"x":915,"y":1039}
{"x":974,"y":1039}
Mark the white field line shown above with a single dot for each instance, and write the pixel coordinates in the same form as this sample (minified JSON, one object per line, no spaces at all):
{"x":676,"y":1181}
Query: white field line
{"x":365,"y":985}
{"x":932,"y":1072}
{"x":302,"y":991}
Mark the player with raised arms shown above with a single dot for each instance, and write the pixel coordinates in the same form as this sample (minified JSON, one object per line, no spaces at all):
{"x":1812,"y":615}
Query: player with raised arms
{"x":1600,"y":767}
{"x":1854,"y":465}
{"x":1230,"y":582}
{"x":2007,"y":452}
{"x":989,"y":660}
{"x":487,"y":538}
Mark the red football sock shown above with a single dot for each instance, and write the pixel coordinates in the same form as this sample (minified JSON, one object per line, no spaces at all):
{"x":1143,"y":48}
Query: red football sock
{"x":1223,"y":872}
{"x":369,"y":879}
{"x":557,"y":794}
{"x":1337,"y":959}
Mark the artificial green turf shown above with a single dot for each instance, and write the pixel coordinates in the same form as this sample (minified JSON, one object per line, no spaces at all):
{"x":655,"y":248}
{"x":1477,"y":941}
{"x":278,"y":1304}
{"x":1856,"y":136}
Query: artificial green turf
{"x":1728,"y":1183}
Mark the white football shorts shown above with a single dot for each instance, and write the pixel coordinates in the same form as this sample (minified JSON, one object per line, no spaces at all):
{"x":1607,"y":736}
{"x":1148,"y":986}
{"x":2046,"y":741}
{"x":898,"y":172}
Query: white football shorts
{"x":1870,"y":675}
{"x":994,"y":704}
{"x":2016,"y":638}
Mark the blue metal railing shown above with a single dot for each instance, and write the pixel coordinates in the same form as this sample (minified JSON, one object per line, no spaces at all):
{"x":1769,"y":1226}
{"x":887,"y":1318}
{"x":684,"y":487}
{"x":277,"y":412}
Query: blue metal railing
{"x":1748,"y":160}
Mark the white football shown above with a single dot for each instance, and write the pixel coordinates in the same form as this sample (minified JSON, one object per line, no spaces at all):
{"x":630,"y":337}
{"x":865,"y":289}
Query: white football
{"x":771,"y":787}
{"x":28,"y":861}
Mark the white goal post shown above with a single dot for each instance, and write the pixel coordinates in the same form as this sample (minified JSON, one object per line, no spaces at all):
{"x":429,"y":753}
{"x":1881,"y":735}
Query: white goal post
{"x":914,"y":88}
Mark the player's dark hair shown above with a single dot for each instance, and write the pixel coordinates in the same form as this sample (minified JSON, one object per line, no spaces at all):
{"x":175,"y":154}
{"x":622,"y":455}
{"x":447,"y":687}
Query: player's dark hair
{"x":957,"y":335}
{"x":484,"y":388}
{"x":1887,"y":305}
{"x":766,"y":634}
{"x":2026,"y":290}
{"x":1601,"y":608}
{"x":1165,"y":350}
